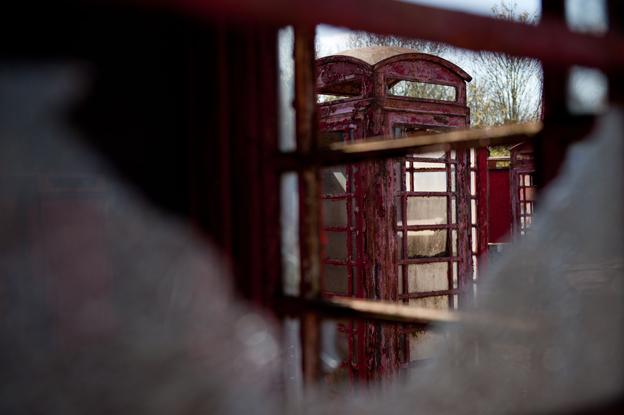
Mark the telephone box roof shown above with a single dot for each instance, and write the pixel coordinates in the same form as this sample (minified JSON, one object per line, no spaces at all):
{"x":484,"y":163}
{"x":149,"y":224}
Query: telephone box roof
{"x":376,"y":54}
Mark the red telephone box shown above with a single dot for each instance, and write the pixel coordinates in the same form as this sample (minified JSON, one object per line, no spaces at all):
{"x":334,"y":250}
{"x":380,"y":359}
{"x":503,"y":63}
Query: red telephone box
{"x":405,"y":229}
{"x":522,"y":187}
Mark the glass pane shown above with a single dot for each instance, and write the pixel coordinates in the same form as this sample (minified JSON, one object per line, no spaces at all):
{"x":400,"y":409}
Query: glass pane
{"x":398,"y":200}
{"x":474,"y":240}
{"x":475,"y":267}
{"x":430,"y":182}
{"x":422,"y":244}
{"x":453,"y":179}
{"x":527,"y":180}
{"x":437,"y":160}
{"x":335,"y":279}
{"x":473,"y":211}
{"x":336,"y":245}
{"x":334,"y":180}
{"x":334,"y":350}
{"x":473,"y":183}
{"x":428,"y":277}
{"x":286,"y":90}
{"x":440,"y":302}
{"x":322,"y":98}
{"x":408,"y":181}
{"x":415,"y":89}
{"x":335,"y":213}
{"x":434,"y":163}
{"x":425,"y":344}
{"x":426,"y":210}
{"x":453,"y":211}
{"x":290,"y":233}
{"x":433,"y":155}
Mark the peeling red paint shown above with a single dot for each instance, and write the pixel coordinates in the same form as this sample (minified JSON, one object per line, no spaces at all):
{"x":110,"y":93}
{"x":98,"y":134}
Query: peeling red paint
{"x":377,"y":263}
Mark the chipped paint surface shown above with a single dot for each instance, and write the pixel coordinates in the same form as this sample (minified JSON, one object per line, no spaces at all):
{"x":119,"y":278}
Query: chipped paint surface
{"x":425,"y":259}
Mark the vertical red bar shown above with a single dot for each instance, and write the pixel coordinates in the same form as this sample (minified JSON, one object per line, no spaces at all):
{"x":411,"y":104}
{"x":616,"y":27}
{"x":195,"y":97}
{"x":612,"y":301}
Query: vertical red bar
{"x":463,"y":224}
{"x":309,"y":197}
{"x":483,"y":189}
{"x":404,"y":250}
{"x":449,"y":232}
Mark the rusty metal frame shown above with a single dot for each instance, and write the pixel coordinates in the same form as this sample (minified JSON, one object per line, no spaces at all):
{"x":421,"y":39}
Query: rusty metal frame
{"x":550,"y":41}
{"x":309,"y":196}
{"x":522,"y":187}
{"x":368,"y":103}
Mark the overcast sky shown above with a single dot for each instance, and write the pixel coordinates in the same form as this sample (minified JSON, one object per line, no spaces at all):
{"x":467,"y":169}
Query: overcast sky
{"x":582,"y":15}
{"x":334,"y":39}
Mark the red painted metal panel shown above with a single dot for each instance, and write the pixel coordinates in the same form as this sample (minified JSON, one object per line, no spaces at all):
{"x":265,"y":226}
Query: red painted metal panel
{"x":499,"y":206}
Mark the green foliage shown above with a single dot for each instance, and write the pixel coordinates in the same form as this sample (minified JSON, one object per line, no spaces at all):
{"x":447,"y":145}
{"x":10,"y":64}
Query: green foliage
{"x":505,"y":89}
{"x":499,"y":151}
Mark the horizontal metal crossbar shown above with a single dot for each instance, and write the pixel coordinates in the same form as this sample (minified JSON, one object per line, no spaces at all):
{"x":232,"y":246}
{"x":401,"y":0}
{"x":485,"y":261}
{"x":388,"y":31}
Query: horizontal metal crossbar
{"x":387,"y":147}
{"x":427,"y":260}
{"x":341,"y":307}
{"x":417,"y":228}
{"x":427,"y":294}
{"x":551,"y":41}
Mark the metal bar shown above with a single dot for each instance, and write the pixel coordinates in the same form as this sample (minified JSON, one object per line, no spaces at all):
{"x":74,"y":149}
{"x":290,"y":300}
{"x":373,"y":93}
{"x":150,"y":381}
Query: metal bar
{"x":427,"y":260}
{"x":349,"y":238}
{"x":377,"y":148}
{"x":404,"y":249}
{"x":449,"y":232}
{"x":309,"y":200}
{"x":336,"y":196}
{"x":342,"y":307}
{"x":551,"y":41}
{"x":427,"y":169}
{"x":427,"y":194}
{"x":463,"y":203}
{"x":475,"y":137}
{"x":483,"y":190}
{"x":427,"y":294}
{"x":429,"y":160}
{"x":431,"y":227}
